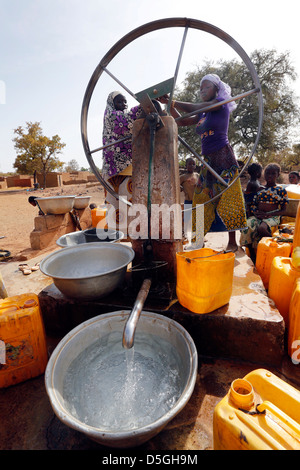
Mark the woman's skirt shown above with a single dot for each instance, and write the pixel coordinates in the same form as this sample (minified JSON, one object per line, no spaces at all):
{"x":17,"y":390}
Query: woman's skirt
{"x":227,"y":213}
{"x":250,"y":235}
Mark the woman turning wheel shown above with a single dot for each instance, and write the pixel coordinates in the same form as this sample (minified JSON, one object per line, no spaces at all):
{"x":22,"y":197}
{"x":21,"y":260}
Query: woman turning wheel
{"x":227,"y":213}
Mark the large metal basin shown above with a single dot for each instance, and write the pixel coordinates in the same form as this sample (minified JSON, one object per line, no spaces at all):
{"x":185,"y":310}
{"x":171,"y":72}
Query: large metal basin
{"x":89,"y":271}
{"x":77,"y":238}
{"x":56,"y":205}
{"x":81,"y":202}
{"x":73,"y":395}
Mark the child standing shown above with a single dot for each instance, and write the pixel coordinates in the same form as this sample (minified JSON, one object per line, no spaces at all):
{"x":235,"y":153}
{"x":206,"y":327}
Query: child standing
{"x":253,"y":186}
{"x":265,"y":211}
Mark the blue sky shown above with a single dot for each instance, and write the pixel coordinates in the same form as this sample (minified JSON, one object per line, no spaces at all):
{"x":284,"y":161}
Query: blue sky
{"x":50,"y":48}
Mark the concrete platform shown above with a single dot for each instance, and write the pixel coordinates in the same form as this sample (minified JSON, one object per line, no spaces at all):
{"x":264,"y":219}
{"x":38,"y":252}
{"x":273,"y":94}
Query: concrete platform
{"x":249,"y":328}
{"x":231,"y":342}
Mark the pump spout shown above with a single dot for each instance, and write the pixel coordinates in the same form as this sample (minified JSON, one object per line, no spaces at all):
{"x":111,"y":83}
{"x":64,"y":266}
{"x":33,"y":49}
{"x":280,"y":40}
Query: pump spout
{"x":131,"y":324}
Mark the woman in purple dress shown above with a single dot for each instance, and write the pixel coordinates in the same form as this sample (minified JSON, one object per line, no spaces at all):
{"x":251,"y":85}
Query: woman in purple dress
{"x":227,"y":213}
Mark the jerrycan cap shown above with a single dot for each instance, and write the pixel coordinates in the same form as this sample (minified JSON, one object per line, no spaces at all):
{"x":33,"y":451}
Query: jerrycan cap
{"x":242,"y":394}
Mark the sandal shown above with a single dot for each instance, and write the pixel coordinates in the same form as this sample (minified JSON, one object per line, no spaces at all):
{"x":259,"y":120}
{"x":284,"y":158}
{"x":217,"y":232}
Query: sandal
{"x":25,"y":269}
{"x":36,"y":267}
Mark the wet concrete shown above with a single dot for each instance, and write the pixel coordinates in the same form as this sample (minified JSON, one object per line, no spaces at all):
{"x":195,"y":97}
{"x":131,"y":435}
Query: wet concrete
{"x":28,"y":422}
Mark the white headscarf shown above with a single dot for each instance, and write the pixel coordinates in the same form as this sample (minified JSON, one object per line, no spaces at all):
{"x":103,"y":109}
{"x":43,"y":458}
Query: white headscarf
{"x":224,"y":90}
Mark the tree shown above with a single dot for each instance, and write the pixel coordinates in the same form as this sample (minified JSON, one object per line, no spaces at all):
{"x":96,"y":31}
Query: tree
{"x":71,"y":166}
{"x":281,"y":113}
{"x":36,"y":152}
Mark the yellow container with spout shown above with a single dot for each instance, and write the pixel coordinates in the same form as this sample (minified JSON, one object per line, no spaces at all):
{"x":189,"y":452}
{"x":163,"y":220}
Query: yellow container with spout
{"x":259,"y":412}
{"x":294,"y":324}
{"x":267,"y":250}
{"x":281,"y":283}
{"x":204,"y":279}
{"x":23,"y":351}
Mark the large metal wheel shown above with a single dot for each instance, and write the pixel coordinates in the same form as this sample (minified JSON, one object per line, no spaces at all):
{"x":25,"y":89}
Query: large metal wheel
{"x":185,"y":23}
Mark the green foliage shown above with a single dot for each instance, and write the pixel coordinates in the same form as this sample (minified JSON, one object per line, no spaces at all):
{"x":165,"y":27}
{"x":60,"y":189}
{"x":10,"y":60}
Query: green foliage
{"x":281,"y":111}
{"x":36,"y":152}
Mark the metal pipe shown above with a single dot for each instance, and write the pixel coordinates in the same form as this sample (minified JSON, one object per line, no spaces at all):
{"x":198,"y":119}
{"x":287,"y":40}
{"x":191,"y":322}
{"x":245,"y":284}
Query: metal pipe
{"x":131,"y":324}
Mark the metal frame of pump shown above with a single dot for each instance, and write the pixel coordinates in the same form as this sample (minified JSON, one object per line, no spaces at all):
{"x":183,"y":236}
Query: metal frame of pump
{"x":186,"y":23}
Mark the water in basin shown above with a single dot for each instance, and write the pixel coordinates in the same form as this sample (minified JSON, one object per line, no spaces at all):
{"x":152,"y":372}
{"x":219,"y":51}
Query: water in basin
{"x":115,"y":389}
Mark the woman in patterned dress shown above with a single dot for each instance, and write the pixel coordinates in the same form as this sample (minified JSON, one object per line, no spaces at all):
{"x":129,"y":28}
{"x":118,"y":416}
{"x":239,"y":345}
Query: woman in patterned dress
{"x":227,"y":213}
{"x":267,"y":207}
{"x":117,"y":167}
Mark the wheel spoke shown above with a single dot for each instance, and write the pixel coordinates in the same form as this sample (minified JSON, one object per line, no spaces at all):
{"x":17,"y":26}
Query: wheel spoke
{"x":216,"y":175}
{"x":177,"y":67}
{"x":119,"y":82}
{"x":111,"y":144}
{"x":216,"y":105}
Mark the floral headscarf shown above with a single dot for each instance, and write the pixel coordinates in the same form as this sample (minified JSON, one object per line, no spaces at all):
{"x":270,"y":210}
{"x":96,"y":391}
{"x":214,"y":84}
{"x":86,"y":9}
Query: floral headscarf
{"x":224,"y":90}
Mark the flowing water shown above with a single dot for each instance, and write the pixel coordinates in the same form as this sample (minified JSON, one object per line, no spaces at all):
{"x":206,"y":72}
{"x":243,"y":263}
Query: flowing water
{"x":116,"y":389}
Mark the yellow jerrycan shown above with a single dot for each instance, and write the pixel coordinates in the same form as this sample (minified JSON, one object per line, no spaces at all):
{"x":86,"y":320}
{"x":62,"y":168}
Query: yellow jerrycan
{"x":23,"y":350}
{"x":294,"y":324}
{"x":282,"y":278}
{"x":267,"y":250}
{"x":260,"y":412}
{"x":204,"y":279}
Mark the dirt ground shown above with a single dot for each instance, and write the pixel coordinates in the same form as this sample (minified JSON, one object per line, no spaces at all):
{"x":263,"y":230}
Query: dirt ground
{"x":17,"y":216}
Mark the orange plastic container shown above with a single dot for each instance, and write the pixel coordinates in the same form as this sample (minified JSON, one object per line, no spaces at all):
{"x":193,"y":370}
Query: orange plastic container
{"x":99,"y":217}
{"x":281,"y":283}
{"x":23,"y":351}
{"x":294,"y":324}
{"x":204,"y":279}
{"x":260,"y":412}
{"x":267,"y":250}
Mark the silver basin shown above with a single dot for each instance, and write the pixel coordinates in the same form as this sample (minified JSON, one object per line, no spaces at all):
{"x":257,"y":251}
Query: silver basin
{"x":79,"y":403}
{"x":56,"y":205}
{"x":81,"y":202}
{"x":88,"y":271}
{"x":77,"y":238}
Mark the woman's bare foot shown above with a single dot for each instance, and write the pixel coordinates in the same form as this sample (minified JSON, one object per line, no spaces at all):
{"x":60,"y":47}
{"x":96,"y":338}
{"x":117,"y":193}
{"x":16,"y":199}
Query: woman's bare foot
{"x":232,"y":247}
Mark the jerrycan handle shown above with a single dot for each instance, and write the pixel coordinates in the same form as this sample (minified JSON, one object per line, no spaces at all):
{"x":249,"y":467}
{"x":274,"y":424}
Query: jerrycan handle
{"x":189,"y":260}
{"x":289,"y":424}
